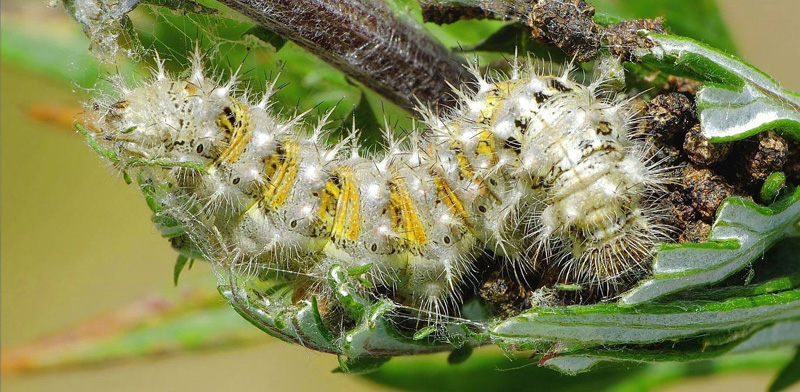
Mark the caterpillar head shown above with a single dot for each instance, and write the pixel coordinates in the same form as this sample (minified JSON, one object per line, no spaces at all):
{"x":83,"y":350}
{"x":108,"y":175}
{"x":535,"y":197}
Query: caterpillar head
{"x":172,"y":122}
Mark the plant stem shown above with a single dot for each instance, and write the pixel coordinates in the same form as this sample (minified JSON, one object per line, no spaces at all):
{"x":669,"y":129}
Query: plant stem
{"x":367,"y":42}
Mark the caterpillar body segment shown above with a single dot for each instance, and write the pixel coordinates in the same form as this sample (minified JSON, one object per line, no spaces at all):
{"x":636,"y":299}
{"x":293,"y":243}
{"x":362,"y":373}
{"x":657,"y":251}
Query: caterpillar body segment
{"x":536,"y":169}
{"x":600,"y":190}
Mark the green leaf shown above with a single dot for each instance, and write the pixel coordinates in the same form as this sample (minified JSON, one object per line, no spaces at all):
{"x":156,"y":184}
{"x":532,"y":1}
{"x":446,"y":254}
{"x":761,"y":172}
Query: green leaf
{"x":515,"y":38}
{"x":772,"y":186}
{"x":148,"y":328}
{"x":323,"y":330}
{"x":567,"y":287}
{"x":743,"y":341}
{"x":460,"y":355}
{"x":690,"y":64}
{"x":182,"y":5}
{"x":737,"y":100}
{"x":359,"y":270}
{"x":91,"y":139}
{"x":267,"y":304}
{"x":268,"y":36}
{"x":364,"y":119}
{"x":55,"y":47}
{"x":606,"y":324}
{"x":179,"y":264}
{"x":424,"y":332}
{"x":361,"y":365}
{"x":490,"y":370}
{"x":506,"y":40}
{"x":168,"y":226}
{"x":790,"y":375}
{"x":740,"y":234}
{"x":129,"y":130}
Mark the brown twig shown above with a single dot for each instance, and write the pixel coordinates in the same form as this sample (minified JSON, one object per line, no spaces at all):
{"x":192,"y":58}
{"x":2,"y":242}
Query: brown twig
{"x":567,"y":24}
{"x":366,"y":41}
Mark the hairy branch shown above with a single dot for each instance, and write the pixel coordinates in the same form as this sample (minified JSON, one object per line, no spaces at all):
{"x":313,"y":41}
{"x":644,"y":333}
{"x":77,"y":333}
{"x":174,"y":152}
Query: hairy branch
{"x":366,"y":41}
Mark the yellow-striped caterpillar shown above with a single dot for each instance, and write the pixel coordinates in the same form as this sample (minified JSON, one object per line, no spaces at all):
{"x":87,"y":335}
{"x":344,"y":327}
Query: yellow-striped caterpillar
{"x":537,"y":169}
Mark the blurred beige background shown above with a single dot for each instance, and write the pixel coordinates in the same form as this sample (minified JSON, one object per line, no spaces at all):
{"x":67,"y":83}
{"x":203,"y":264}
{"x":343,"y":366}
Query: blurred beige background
{"x":76,"y":241}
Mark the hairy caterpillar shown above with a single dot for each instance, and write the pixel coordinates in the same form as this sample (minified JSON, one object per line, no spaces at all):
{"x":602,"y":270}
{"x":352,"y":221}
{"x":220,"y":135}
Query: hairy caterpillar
{"x":538,"y":169}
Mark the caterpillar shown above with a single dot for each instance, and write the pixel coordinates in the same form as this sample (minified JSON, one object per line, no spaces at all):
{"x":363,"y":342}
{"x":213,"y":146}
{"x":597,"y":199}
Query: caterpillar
{"x":537,"y":169}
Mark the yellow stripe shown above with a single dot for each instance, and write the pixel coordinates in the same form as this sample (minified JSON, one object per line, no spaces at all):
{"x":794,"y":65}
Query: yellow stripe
{"x":235,"y":121}
{"x":339,"y":207}
{"x":486,"y":114}
{"x":495,"y":98}
{"x":280,"y":172}
{"x":405,"y":220}
{"x":327,"y":209}
{"x":464,"y":166}
{"x":486,"y":145}
{"x":347,"y":222}
{"x":445,"y":193}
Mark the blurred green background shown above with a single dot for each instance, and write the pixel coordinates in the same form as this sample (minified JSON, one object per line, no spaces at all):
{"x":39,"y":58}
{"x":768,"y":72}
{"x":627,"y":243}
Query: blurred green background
{"x":77,"y":242}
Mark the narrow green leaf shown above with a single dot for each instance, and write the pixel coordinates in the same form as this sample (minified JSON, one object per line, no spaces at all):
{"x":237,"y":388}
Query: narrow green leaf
{"x":776,"y":285}
{"x":739,"y":236}
{"x":737,"y":100}
{"x":567,"y":287}
{"x":346,"y":293}
{"x":148,"y":328}
{"x":311,"y":330}
{"x":179,"y":264}
{"x":168,"y":226}
{"x":366,"y":283}
{"x":790,"y":375}
{"x":605,"y":324}
{"x":459,"y":355}
{"x":772,"y":185}
{"x":323,"y":330}
{"x":360,"y":365}
{"x":106,"y":153}
{"x":743,"y":341}
{"x":424,"y":332}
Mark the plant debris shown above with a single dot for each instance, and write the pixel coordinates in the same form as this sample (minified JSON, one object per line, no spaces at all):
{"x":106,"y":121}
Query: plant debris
{"x":702,"y":151}
{"x":760,"y":156}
